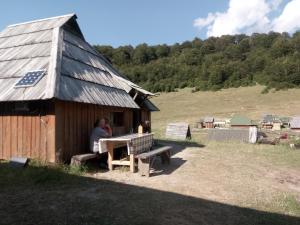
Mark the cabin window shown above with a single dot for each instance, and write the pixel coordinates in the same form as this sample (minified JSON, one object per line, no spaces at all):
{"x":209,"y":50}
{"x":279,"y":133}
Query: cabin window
{"x":118,"y":119}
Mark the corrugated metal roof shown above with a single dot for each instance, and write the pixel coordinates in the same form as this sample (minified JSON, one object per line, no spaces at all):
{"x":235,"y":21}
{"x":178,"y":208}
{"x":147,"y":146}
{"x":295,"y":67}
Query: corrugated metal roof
{"x":149,"y":105}
{"x":75,"y":70}
{"x":208,"y":119}
{"x":238,"y":120}
{"x":268,"y":119}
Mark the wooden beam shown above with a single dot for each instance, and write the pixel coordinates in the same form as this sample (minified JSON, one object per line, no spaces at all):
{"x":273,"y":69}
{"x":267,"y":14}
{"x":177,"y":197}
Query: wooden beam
{"x":134,"y":97}
{"x":120,"y":162}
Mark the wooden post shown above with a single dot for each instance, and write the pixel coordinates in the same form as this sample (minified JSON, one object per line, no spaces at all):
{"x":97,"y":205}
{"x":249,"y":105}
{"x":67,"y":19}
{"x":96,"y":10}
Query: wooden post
{"x":132,"y":166}
{"x":110,"y":147}
{"x":140,"y":129}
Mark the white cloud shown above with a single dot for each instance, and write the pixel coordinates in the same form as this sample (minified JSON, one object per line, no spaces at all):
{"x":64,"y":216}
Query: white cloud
{"x":251,"y":16}
{"x":289,"y":20}
{"x":203,"y":22}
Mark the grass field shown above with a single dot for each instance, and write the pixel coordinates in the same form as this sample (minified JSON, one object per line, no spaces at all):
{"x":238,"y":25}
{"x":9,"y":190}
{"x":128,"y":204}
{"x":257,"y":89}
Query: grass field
{"x":207,"y":183}
{"x":191,"y":107}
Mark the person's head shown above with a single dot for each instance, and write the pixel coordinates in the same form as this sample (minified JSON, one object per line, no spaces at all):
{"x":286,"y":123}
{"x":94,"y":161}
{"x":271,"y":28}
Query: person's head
{"x":97,"y":123}
{"x":147,"y":123}
{"x":102,"y":123}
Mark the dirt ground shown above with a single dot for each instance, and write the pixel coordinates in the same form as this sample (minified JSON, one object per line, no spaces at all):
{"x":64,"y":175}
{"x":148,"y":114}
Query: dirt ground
{"x":233,"y":176}
{"x":209,"y":184}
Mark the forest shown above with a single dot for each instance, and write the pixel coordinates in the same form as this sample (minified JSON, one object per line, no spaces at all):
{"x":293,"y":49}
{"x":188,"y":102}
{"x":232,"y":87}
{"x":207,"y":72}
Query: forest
{"x":272,"y":60}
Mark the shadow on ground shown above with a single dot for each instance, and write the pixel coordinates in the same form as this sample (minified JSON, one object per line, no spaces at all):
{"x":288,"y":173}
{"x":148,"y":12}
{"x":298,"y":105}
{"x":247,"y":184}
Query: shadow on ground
{"x":45,"y":195}
{"x":176,"y":162}
{"x":157,"y":168}
{"x":166,"y":169}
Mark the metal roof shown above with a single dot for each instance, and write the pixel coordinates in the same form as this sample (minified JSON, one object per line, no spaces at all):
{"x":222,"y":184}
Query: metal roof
{"x":149,"y":105}
{"x":75,"y":70}
{"x":238,"y":120}
{"x":208,"y":119}
{"x":268,"y":119}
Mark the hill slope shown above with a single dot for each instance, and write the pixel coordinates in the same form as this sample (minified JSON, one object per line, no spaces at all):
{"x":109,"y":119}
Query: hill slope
{"x":270,"y":59}
{"x":190,"y":107}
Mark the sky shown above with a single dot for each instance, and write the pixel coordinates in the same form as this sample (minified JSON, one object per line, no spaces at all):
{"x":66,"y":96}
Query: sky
{"x":132,"y":22}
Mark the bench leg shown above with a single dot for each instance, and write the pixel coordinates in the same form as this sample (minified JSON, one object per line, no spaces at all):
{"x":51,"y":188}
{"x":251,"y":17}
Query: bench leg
{"x":168,"y":153}
{"x":75,"y":162}
{"x":144,"y":167}
{"x":165,"y":157}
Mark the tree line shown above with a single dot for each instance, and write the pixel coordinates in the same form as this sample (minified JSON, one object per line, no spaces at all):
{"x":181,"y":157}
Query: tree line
{"x":271,"y":59}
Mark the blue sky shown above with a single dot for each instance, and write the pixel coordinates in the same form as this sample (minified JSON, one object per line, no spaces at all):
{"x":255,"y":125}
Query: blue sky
{"x":119,"y":22}
{"x":159,"y":21}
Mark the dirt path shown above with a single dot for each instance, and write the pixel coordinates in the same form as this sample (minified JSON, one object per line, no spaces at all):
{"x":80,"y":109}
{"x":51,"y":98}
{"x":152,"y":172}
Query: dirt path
{"x":204,"y":173}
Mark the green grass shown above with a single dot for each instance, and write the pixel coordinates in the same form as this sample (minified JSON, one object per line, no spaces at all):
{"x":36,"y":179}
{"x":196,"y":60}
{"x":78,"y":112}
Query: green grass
{"x":38,"y":173}
{"x":277,"y":155}
{"x":185,"y":106}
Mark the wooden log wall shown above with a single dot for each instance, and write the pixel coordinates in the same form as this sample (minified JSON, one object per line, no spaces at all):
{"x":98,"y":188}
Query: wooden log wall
{"x":52,"y":131}
{"x":74,"y":123}
{"x":27,"y":134}
{"x":145,"y":115}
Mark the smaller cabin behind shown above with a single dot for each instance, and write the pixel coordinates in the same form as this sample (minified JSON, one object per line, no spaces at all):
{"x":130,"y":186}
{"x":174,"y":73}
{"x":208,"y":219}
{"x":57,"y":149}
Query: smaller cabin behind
{"x":241,"y":122}
{"x":208,"y":122}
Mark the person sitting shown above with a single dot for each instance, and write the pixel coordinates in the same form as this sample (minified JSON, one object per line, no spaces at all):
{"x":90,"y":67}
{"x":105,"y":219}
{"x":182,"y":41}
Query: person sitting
{"x":107,"y":127}
{"x":101,"y":130}
{"x":147,"y":127}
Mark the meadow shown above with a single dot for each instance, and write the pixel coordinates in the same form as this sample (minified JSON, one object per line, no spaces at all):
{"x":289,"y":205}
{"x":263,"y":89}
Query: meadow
{"x":185,"y":106}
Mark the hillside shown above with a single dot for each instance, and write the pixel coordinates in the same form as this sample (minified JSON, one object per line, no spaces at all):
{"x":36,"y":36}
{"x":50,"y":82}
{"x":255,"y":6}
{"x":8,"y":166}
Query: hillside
{"x":272,"y":60}
{"x":190,"y":107}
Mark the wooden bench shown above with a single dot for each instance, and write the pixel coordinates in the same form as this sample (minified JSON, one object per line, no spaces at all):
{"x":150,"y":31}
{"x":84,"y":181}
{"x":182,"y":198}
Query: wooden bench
{"x":146,"y":159}
{"x":78,"y":160}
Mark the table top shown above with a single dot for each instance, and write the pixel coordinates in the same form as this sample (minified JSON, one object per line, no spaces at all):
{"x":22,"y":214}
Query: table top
{"x":127,"y":137}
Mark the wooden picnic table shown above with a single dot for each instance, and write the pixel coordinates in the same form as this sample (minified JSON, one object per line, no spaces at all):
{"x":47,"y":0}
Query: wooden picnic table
{"x":136,"y":144}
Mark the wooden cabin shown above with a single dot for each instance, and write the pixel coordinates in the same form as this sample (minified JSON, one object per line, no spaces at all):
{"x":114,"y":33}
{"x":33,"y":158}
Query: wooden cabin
{"x":219,"y":123}
{"x":267,"y":121}
{"x":54,"y":85}
{"x":208,"y":122}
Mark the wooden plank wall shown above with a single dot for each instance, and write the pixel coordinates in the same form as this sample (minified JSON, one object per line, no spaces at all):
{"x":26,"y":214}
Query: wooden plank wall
{"x":27,"y":134}
{"x":74,"y":123}
{"x":145,"y":115}
{"x":179,"y":131}
{"x":61,"y":131}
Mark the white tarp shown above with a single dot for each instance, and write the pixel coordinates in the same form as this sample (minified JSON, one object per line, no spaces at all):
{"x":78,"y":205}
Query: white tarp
{"x":252,"y":135}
